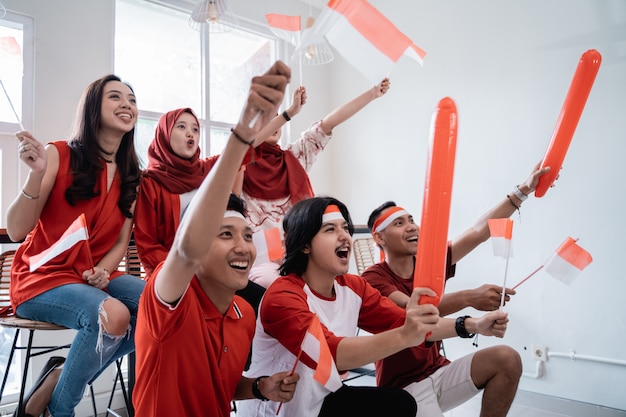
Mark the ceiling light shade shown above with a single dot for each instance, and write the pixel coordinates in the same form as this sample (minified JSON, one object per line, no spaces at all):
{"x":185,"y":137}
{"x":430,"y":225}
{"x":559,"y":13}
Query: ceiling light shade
{"x":317,"y":51}
{"x":213,"y":16}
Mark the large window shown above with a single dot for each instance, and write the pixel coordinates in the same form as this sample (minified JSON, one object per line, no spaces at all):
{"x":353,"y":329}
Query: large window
{"x":16,"y":76}
{"x":16,"y":47}
{"x":170,"y":65}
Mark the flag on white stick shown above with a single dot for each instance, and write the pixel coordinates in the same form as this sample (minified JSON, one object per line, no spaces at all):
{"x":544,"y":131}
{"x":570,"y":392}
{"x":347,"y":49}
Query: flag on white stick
{"x":285,"y":27}
{"x":369,"y":41}
{"x":316,"y":347}
{"x":568,"y":261}
{"x":269,"y":245}
{"x":75,"y":233}
{"x":501,"y":231}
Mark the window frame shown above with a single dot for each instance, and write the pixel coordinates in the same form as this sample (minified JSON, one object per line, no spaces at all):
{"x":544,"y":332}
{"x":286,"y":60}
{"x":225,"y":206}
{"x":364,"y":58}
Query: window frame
{"x":9,"y":182}
{"x":27,"y":25}
{"x":206,"y":124}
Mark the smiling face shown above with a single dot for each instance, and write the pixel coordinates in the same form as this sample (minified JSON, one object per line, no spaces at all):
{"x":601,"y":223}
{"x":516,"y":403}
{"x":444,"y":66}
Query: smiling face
{"x":185,"y":136}
{"x":228,"y":262}
{"x":329,"y":250}
{"x":118,"y":109}
{"x":399,"y":237}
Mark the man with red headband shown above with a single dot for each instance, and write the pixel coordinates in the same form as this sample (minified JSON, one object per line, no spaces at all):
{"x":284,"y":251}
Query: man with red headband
{"x":441,"y":384}
{"x":315,"y":286}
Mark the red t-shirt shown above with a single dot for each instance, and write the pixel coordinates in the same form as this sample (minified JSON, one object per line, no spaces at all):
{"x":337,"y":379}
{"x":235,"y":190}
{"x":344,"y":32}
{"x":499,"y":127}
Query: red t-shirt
{"x":412,"y":364}
{"x":190,"y":357}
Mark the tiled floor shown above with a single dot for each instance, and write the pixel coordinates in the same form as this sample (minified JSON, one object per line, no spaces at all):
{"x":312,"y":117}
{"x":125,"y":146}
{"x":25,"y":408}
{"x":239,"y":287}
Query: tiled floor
{"x":526,"y":404}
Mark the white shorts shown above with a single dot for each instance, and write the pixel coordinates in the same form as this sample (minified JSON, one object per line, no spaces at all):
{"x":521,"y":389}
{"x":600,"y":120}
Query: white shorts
{"x":444,"y":390}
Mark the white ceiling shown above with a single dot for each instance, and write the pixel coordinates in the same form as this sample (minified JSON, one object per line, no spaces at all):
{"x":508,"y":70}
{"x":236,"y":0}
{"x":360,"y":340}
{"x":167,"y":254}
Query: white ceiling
{"x":315,"y":3}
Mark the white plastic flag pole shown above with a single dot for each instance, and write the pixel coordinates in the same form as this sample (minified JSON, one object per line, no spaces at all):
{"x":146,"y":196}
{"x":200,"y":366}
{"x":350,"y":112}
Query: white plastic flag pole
{"x":255,"y":119}
{"x":300,"y":69}
{"x":11,"y":104}
{"x":506,"y":269}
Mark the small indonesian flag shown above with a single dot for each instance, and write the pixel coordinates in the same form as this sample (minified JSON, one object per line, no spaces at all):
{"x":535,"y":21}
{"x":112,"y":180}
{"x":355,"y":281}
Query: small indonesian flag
{"x":285,"y":27}
{"x":364,"y":37}
{"x":74,"y":234}
{"x":316,"y":347}
{"x":568,"y":261}
{"x":269,"y":245}
{"x":501,"y":231}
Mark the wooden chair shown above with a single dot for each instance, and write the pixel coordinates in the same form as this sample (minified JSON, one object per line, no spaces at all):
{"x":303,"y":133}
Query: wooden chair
{"x":365,"y":251}
{"x":19,"y":324}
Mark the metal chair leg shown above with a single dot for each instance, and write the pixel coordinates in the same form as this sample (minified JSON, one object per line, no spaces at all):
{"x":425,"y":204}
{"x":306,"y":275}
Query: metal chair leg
{"x":20,"y":403}
{"x":6,"y":373}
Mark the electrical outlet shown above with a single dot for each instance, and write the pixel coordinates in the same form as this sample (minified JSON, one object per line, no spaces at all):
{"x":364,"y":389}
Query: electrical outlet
{"x":539,"y":353}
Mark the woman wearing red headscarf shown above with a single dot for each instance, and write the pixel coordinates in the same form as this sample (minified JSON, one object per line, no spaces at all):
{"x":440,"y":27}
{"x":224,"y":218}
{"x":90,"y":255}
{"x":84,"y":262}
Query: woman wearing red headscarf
{"x":174,"y":173}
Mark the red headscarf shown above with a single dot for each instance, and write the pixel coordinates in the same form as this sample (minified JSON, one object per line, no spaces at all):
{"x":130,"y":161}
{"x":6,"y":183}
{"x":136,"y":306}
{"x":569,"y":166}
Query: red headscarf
{"x":178,"y":175}
{"x":275,"y":174}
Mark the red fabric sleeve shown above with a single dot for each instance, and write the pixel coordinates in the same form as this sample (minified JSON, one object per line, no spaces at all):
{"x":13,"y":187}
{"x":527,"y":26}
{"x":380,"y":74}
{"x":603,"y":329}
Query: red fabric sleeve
{"x":157,"y":217}
{"x":285,"y":316}
{"x":378,"y":313}
{"x":376,"y":277}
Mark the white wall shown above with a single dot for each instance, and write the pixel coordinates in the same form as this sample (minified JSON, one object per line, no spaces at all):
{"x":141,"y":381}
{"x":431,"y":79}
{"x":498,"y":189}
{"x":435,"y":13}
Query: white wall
{"x":507,"y":65}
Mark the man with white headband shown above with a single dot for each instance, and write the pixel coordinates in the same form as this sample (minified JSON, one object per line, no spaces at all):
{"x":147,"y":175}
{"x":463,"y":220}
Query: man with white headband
{"x":422,"y":369}
{"x":193,"y":333}
{"x":315,"y":286}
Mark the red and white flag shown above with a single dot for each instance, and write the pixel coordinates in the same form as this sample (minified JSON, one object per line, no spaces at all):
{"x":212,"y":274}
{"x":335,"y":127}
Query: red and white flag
{"x":75,"y":233}
{"x":316,"y":347}
{"x":269,"y":245}
{"x":364,"y":37}
{"x":285,"y":27}
{"x":568,"y":261}
{"x":501,"y":231}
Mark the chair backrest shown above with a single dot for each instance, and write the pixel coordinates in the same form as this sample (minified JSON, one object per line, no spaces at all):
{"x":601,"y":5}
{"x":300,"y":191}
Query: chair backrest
{"x":6,"y":258}
{"x":364,"y":253}
{"x":131,"y":264}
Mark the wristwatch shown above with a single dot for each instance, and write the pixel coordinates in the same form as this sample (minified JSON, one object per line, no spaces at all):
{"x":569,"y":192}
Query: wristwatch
{"x":459,"y":326}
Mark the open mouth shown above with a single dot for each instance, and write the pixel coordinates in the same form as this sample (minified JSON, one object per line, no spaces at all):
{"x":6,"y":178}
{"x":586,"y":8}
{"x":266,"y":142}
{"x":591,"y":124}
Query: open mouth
{"x":412,"y":239}
{"x":239,"y":265}
{"x":343,"y":253}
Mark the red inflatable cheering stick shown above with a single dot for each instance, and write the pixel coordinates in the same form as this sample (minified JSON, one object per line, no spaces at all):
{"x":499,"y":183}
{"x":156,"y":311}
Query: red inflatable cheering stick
{"x":432,"y":249}
{"x":568,"y":119}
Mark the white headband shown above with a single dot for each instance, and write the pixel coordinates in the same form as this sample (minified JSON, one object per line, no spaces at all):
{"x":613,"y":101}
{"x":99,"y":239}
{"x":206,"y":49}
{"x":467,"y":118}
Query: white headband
{"x":233,"y":213}
{"x":331,"y":213}
{"x":385,"y":220}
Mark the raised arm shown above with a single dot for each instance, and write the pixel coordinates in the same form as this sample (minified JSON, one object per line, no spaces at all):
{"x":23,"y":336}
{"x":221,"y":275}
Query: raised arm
{"x":24,"y":212}
{"x":200,"y":225}
{"x":346,"y":111}
{"x":299,"y":99}
{"x":477,"y":234}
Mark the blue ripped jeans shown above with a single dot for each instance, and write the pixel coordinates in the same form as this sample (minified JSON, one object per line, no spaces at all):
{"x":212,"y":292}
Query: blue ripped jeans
{"x":77,"y":306}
